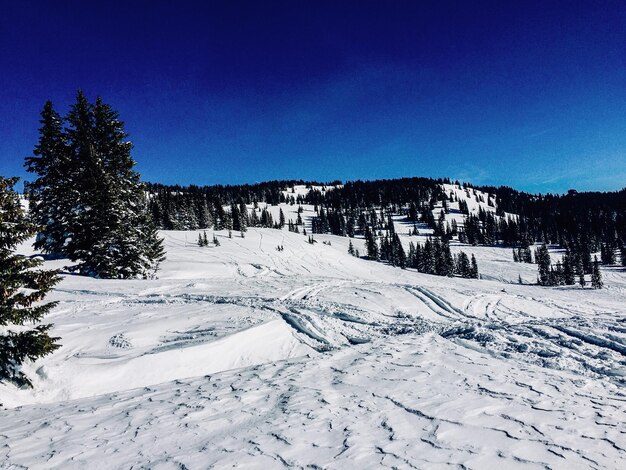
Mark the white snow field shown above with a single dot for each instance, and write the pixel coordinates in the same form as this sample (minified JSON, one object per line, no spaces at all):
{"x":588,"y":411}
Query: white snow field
{"x":241,"y":355}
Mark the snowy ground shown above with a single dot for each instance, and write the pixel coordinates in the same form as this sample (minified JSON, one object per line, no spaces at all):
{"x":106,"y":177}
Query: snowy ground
{"x":308,"y":357}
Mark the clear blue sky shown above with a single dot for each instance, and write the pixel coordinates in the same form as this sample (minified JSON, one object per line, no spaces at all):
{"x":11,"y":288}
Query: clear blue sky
{"x":528,"y":94}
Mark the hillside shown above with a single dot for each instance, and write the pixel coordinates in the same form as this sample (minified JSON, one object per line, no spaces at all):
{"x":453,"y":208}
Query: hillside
{"x":310,"y":357}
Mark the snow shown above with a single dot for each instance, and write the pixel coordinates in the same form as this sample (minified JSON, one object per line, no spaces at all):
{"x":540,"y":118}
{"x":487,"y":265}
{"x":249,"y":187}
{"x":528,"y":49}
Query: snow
{"x":242,"y":355}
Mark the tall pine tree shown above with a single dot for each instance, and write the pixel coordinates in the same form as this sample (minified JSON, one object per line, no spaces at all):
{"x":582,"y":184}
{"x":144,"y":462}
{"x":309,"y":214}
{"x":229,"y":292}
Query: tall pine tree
{"x":22,"y":288}
{"x":51,"y":194}
{"x":107,"y":228}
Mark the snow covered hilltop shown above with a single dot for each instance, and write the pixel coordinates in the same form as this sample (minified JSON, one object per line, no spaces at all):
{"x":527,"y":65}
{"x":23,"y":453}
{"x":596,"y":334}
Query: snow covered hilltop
{"x":268,"y":350}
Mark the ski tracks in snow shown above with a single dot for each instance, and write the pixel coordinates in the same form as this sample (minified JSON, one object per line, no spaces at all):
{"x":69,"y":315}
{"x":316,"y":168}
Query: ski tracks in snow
{"x":405,"y":401}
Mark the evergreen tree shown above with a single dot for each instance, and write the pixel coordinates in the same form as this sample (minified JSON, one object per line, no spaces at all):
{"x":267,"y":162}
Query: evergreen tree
{"x":50,"y":195}
{"x":543,"y":265}
{"x":428,"y":258}
{"x":235,"y":217}
{"x":152,"y":249}
{"x":463,"y":267}
{"x":568,"y":269}
{"x":107,"y":228}
{"x":254,"y":219}
{"x":596,"y":276}
{"x":204,"y":215}
{"x":22,"y":288}
{"x":447,"y":263}
{"x":350,"y":248}
{"x":86,"y":179}
{"x":398,"y":254}
{"x":371,"y":245}
{"x":120,"y":222}
{"x":474,"y":268}
{"x":417,"y":257}
{"x":281,"y":219}
{"x":243,"y":214}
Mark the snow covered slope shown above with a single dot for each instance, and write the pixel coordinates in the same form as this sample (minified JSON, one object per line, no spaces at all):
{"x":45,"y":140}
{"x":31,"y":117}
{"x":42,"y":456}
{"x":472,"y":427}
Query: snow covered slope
{"x":245,"y":355}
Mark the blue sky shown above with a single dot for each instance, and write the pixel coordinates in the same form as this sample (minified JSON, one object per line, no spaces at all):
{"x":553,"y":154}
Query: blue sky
{"x":531,"y":95}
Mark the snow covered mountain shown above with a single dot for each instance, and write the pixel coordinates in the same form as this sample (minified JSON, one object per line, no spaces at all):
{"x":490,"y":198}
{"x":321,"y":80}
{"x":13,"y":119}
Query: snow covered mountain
{"x":307,"y":357}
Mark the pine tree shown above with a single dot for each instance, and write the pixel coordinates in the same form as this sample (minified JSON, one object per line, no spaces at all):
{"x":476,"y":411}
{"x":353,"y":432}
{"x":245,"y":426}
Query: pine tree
{"x":350,"y":248}
{"x":474,"y":268}
{"x":568,"y":269}
{"x":428,"y":258}
{"x":50,"y":195}
{"x":236,"y":219}
{"x":244,"y":218}
{"x":398,"y":255}
{"x":463,"y":267}
{"x":596,"y":276}
{"x":417,"y":257}
{"x":281,"y":219}
{"x":107,"y":227}
{"x":543,"y":265}
{"x":86,"y":178}
{"x":120,"y":221}
{"x":204,"y":215}
{"x":447,"y":259}
{"x":371,"y":246}
{"x":254,"y":219}
{"x":153,"y":252}
{"x":22,"y":288}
